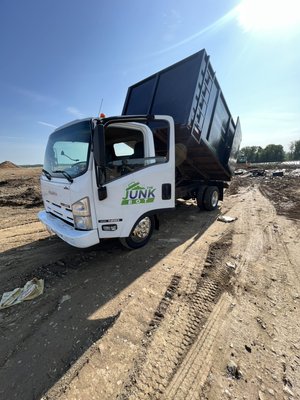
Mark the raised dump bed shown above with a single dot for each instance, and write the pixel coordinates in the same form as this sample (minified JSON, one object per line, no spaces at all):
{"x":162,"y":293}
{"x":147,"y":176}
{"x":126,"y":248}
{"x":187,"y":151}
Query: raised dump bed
{"x":207,"y":138}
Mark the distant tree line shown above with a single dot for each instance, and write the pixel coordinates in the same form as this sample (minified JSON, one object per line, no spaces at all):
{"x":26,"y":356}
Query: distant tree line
{"x":294,"y":153}
{"x":271,"y":153}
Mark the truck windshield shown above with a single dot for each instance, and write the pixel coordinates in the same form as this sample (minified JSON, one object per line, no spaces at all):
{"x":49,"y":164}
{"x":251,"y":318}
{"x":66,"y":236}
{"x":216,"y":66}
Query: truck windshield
{"x":67,"y":152}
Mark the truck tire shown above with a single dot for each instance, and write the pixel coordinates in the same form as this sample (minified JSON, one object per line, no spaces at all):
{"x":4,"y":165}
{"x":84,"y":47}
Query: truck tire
{"x":199,"y":196}
{"x":140,"y":233}
{"x":211,"y":198}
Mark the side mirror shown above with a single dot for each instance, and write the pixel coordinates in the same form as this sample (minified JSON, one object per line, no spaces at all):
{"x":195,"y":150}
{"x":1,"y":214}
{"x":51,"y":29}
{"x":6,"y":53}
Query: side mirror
{"x":99,"y":145}
{"x":102,"y":193}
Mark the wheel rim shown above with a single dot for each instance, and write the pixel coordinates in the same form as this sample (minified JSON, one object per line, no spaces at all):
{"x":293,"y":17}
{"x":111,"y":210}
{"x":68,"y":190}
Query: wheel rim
{"x":141,"y":230}
{"x":214,"y":198}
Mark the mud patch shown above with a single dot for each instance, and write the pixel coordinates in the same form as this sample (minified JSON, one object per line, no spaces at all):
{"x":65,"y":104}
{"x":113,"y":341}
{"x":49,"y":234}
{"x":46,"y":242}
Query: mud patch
{"x":284,"y":194}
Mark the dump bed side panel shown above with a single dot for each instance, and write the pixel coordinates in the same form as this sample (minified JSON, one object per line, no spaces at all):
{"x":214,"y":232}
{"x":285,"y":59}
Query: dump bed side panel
{"x":168,"y":92}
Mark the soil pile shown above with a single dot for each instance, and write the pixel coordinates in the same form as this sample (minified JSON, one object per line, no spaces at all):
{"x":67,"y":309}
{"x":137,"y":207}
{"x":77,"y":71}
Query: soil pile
{"x":8,"y":164}
{"x":19,"y":187}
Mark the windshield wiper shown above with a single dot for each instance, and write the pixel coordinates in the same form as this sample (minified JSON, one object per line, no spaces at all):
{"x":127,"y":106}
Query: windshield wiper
{"x":47,"y":174}
{"x":65,"y":174}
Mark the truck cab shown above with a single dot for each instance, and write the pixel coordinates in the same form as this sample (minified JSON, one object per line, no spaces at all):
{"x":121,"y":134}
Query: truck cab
{"x":108,"y":178}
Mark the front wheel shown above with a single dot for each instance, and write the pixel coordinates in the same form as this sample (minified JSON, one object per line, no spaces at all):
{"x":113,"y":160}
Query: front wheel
{"x":140,"y":233}
{"x":211,"y":198}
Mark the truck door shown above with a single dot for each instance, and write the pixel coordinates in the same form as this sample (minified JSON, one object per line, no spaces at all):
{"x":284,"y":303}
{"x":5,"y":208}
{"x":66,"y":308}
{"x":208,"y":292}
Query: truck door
{"x":139,"y":174}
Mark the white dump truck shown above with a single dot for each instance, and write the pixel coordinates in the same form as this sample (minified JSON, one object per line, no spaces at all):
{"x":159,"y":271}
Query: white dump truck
{"x":112,"y":177}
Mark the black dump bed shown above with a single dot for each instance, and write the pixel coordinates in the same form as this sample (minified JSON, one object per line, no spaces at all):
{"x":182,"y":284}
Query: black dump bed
{"x":207,"y":138}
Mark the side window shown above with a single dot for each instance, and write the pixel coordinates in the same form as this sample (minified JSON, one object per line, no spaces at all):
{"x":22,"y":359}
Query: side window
{"x":126,"y":151}
{"x":123,"y":149}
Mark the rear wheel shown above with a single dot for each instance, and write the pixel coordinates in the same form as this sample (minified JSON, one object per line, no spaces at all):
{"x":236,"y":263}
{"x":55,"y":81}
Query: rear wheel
{"x":211,"y":198}
{"x":140,"y":233}
{"x":200,"y":195}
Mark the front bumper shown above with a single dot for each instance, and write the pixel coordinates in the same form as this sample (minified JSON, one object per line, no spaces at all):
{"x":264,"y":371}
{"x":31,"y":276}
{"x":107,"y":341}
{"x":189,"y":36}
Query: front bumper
{"x":67,"y":233}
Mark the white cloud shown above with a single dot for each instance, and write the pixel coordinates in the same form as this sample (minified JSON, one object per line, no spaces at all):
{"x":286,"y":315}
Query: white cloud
{"x":74,"y":111}
{"x":172,"y":22}
{"x":35,"y":96}
{"x":212,"y":28}
{"x":12,"y":137}
{"x":47,"y":124}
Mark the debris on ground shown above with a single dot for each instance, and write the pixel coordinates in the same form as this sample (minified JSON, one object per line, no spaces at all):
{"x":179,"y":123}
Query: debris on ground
{"x":30,"y":291}
{"x":278,"y":173}
{"x":295,"y":172}
{"x":233,"y":370}
{"x":258,"y":172}
{"x":226,"y":218}
{"x":231,"y":265}
{"x":240,"y":171}
{"x":66,"y":297}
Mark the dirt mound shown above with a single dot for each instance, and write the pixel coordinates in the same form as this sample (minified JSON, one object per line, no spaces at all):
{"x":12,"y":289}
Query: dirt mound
{"x":283,"y":192}
{"x":8,"y":164}
{"x":20,"y":188}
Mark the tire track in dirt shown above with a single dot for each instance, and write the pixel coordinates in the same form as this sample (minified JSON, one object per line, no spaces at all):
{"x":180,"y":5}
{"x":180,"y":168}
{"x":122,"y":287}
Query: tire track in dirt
{"x":21,"y":234}
{"x":170,"y":340}
{"x":193,"y":372}
{"x":21,"y":230}
{"x":254,"y":240}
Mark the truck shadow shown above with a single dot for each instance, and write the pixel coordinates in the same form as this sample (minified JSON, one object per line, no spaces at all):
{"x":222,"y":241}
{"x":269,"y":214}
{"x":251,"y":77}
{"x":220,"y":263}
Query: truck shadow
{"x":43,"y":338}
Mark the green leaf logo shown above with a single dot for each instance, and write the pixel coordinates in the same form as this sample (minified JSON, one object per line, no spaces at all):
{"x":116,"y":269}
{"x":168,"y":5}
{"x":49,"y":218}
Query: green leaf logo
{"x":135,"y":193}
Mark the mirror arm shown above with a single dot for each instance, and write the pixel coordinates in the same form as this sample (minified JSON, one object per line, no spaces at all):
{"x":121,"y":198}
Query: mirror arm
{"x":98,"y":148}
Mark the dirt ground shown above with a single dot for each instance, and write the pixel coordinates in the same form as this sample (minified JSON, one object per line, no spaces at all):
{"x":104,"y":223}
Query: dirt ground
{"x":206,"y":310}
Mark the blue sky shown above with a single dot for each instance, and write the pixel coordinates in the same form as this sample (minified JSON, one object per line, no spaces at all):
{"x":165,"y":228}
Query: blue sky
{"x":60,"y":58}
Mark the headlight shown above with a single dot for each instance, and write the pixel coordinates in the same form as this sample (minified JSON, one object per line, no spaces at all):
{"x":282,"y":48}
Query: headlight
{"x":83,"y":223}
{"x":81,"y":208}
{"x":82,"y":214}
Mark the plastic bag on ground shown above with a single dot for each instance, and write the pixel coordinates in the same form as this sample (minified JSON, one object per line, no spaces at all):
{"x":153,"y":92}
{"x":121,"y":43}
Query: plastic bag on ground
{"x":31,"y":290}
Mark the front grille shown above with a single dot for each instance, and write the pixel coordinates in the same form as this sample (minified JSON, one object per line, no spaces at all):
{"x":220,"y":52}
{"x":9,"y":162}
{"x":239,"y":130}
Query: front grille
{"x":61,"y":211}
{"x":67,"y":222}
